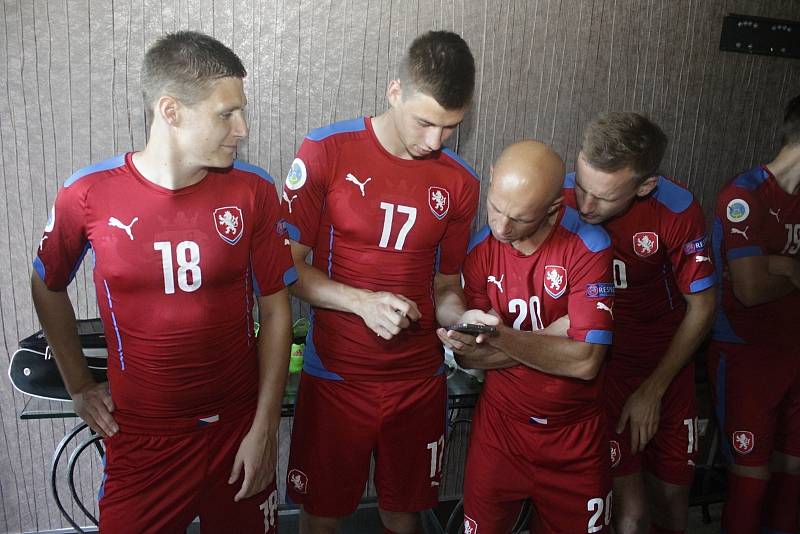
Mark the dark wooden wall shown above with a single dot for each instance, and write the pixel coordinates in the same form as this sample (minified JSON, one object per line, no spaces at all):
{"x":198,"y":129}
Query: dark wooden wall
{"x":69,"y":95}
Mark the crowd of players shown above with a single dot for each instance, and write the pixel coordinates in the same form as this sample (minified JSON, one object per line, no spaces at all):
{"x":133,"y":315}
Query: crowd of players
{"x":600,"y":284}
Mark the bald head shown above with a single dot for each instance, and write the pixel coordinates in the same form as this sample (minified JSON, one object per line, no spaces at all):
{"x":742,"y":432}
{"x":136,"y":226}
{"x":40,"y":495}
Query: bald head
{"x":526,"y":188}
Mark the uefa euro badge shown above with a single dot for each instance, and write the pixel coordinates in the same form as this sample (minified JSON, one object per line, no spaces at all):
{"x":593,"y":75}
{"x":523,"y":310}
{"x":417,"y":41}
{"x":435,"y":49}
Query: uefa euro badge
{"x":439,"y":201}
{"x":229,"y":224}
{"x":616,"y":453}
{"x":645,"y":243}
{"x":298,"y":481}
{"x":743,"y":441}
{"x":297,"y":175}
{"x":737,"y":210}
{"x":555,"y":280}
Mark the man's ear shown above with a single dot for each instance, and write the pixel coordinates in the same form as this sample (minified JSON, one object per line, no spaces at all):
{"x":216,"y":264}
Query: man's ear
{"x":555,"y":205}
{"x":647,"y":186}
{"x":394,"y":93}
{"x":491,"y":172}
{"x":168,"y":108}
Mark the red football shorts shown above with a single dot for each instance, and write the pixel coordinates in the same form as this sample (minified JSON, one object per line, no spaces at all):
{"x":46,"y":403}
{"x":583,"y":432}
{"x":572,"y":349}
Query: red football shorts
{"x":757,"y":400}
{"x":340,"y":425}
{"x":671,"y":453}
{"x":563,"y":470}
{"x":160,"y":483}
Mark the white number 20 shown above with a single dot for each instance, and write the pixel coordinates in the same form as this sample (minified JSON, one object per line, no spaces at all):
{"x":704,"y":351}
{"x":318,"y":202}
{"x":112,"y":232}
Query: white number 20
{"x":597,"y":505}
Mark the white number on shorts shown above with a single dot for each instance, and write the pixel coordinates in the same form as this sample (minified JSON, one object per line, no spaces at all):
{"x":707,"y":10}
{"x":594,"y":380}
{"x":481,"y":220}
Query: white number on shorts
{"x":691,"y":426}
{"x":186,"y":266}
{"x":792,"y":239}
{"x":387,"y":224}
{"x":270,"y":509}
{"x":620,"y":276}
{"x":520,"y":307}
{"x":437,"y":451}
{"x":598,"y":505}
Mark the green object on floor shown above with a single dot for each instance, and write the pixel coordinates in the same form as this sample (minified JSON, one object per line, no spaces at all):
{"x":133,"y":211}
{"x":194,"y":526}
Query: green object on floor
{"x":296,"y":358}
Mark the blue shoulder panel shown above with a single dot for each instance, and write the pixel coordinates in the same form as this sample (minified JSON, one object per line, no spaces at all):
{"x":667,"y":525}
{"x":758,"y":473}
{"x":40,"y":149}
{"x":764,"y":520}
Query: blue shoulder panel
{"x":242,"y":166}
{"x":111,"y":163}
{"x":458,"y":159}
{"x":569,"y":181}
{"x":479,"y":237}
{"x":674,"y":197}
{"x":752,"y":179}
{"x":593,"y":236}
{"x":353,"y":125}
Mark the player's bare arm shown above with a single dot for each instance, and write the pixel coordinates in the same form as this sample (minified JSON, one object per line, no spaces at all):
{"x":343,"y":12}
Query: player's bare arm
{"x":754,"y":282}
{"x":91,"y":401}
{"x":550,"y":354}
{"x":785,"y":266}
{"x":383,"y":312}
{"x":643,"y":408}
{"x":257,"y":454}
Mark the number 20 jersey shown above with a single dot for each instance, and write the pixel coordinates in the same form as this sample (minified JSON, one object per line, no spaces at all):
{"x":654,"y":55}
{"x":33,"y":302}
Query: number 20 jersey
{"x":175,"y":272}
{"x":382,"y":223}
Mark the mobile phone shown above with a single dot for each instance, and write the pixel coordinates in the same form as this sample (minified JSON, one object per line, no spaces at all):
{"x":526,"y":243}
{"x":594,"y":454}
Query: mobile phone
{"x":472,"y":328}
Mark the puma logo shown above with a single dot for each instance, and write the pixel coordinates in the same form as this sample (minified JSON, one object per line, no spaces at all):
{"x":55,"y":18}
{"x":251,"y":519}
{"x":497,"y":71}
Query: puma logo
{"x":289,"y":200}
{"x":742,"y":232}
{"x":495,"y":281}
{"x":116,"y":223}
{"x":775,"y":213}
{"x":701,"y":259}
{"x":601,"y":306}
{"x":351,"y":178}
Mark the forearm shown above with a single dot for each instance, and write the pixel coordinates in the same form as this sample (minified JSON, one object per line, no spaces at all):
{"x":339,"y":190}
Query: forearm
{"x":449,"y":297}
{"x":59,"y":325}
{"x":787,"y":268}
{"x":550,"y":354}
{"x":495,"y":360}
{"x":274,"y":343}
{"x":760,"y":279}
{"x":320,"y":291}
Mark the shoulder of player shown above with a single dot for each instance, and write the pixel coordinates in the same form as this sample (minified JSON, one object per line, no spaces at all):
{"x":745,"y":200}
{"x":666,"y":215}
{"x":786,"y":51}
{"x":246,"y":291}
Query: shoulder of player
{"x":87,"y":176}
{"x":339,"y":131}
{"x":672,"y":195}
{"x":453,"y":160}
{"x":592,"y":237}
{"x":249,"y":172}
{"x":745,"y":184}
{"x":481,"y":237}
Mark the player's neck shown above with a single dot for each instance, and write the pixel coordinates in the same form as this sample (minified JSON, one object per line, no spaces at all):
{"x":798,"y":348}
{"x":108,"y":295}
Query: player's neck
{"x":386,"y":132}
{"x":162,"y":166}
{"x":786,"y":169}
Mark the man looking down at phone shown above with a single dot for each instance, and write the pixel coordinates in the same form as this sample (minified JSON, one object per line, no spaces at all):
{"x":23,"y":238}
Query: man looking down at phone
{"x":538,"y":430}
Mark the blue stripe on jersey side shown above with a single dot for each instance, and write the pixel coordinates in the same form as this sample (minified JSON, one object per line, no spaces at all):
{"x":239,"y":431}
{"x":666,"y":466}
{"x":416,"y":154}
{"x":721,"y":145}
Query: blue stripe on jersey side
{"x":111,"y":163}
{"x":722,"y":329}
{"x":569,"y":181}
{"x":353,"y":125}
{"x":599,"y":337}
{"x":294,"y":232}
{"x":78,"y":263}
{"x":256,"y":288}
{"x":437,"y":258}
{"x":479,"y":237}
{"x":102,"y":490}
{"x":242,"y":166}
{"x":702,"y":284}
{"x":593,"y":236}
{"x":720,"y":408}
{"x":752,"y":179}
{"x":330,"y":255}
{"x":311,"y":361}
{"x":39,"y":267}
{"x":458,"y":159}
{"x":290,"y":276}
{"x":116,"y":327}
{"x":744,"y":252}
{"x":674,"y":197}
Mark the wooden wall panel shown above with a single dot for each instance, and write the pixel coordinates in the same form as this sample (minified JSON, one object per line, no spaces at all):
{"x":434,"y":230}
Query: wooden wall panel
{"x":70,"y":95}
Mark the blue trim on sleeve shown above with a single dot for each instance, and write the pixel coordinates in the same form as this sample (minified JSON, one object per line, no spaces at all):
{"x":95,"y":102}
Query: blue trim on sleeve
{"x":290,"y":276}
{"x":599,"y":337}
{"x":243,"y":166}
{"x":352,"y":125}
{"x":458,"y":159}
{"x":111,"y":163}
{"x":674,"y":197}
{"x":752,"y":179}
{"x":311,"y":361}
{"x":293,"y":231}
{"x":479,"y":237}
{"x":78,"y":263}
{"x":702,"y":284}
{"x":744,"y":252}
{"x":593,"y":236}
{"x":569,"y":181}
{"x":39,"y":267}
{"x":722,"y":329}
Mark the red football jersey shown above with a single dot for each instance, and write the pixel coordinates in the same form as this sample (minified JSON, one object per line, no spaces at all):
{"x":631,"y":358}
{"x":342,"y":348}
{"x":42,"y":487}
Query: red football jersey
{"x":378,"y":222}
{"x":570,"y":274}
{"x":175,"y":273}
{"x":755,"y":217}
{"x":660,"y":253}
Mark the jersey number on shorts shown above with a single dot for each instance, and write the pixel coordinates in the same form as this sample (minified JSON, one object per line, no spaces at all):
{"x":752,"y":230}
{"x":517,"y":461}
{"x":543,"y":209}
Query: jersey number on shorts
{"x":520,"y":307}
{"x":270,"y":509}
{"x":620,"y":276}
{"x":437,"y":451}
{"x":388,"y":216}
{"x":598,"y":505}
{"x":792,"y":239}
{"x":188,"y":255}
{"x":691,"y":425}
